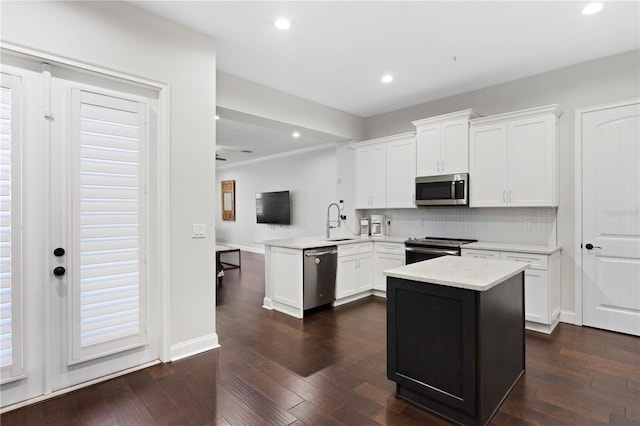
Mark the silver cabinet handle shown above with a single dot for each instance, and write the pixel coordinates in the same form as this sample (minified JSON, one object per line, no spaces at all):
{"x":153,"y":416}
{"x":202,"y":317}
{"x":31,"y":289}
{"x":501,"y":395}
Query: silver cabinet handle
{"x":443,"y":165}
{"x":504,"y":196}
{"x":510,"y":196}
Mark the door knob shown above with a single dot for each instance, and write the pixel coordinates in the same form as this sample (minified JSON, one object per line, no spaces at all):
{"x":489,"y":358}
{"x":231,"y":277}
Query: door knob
{"x":590,"y":246}
{"x":59,"y":252}
{"x":59,"y":271}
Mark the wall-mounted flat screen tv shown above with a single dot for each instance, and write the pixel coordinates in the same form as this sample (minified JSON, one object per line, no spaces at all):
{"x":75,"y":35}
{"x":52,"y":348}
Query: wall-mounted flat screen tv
{"x":273,"y":207}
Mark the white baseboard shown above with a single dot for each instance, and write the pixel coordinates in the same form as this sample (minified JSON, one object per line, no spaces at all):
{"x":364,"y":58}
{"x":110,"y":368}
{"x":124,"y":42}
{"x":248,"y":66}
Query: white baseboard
{"x":569,"y":317}
{"x":241,"y":247}
{"x":193,"y":347}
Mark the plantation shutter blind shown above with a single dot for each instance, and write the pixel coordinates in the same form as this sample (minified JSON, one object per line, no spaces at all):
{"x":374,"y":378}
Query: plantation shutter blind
{"x":11,"y":333}
{"x":108,"y":225}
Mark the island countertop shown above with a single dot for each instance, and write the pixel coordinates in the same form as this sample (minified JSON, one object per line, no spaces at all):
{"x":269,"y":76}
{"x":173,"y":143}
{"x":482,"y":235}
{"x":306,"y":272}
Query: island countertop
{"x":461,"y":272}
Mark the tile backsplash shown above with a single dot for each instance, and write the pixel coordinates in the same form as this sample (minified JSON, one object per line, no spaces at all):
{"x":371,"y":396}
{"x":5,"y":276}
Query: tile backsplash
{"x":506,"y":225}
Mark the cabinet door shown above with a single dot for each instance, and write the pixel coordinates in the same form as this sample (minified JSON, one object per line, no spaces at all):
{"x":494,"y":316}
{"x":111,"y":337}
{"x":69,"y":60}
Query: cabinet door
{"x":381,"y":263}
{"x":377,"y":176}
{"x":536,"y":296}
{"x":364,"y":273}
{"x":487,"y":166}
{"x":346,"y":276}
{"x":455,"y":147}
{"x":530,"y":159}
{"x":401,"y":173}
{"x":428,"y":150}
{"x":286,"y":276}
{"x":363,"y":196}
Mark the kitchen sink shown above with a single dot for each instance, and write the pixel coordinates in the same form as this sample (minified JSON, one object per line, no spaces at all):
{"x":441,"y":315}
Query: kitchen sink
{"x":340,"y":239}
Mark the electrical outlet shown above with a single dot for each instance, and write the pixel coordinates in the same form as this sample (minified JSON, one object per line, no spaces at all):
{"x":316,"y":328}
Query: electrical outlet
{"x":527,"y":225}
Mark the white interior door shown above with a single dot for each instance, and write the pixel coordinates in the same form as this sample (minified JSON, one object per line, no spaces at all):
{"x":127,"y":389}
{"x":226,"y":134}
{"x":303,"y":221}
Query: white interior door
{"x":611,"y":218}
{"x":76,"y":299}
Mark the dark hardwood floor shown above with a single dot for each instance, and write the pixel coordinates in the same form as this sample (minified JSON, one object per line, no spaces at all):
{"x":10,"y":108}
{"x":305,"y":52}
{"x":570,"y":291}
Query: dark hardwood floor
{"x":330,"y":369}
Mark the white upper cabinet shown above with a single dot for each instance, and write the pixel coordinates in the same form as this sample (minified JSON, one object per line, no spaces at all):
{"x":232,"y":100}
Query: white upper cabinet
{"x":442,"y":144}
{"x":371,"y":182}
{"x":401,"y":172}
{"x":513,"y":159}
{"x":386,"y":172}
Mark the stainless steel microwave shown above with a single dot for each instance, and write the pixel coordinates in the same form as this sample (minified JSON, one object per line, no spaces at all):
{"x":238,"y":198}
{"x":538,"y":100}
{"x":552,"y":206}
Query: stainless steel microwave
{"x":445,"y":190}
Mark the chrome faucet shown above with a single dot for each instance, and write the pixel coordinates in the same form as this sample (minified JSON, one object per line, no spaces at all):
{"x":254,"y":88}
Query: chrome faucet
{"x":329,"y":227}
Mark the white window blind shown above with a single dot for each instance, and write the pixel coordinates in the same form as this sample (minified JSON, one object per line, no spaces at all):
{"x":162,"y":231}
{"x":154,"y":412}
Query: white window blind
{"x":11,"y":332}
{"x":108,"y":225}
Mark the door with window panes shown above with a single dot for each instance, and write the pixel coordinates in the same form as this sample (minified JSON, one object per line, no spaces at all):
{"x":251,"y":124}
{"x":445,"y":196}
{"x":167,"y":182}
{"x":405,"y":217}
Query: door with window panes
{"x":86,"y":228}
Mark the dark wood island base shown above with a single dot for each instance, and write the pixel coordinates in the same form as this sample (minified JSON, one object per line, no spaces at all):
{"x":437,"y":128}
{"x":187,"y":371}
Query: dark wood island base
{"x":455,"y":351}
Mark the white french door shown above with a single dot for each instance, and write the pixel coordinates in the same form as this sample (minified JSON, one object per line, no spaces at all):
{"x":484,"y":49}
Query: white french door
{"x":91,"y":310}
{"x":611,"y":218}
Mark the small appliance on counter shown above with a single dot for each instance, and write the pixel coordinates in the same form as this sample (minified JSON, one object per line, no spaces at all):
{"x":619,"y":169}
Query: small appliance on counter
{"x":364,"y":227}
{"x":377,"y":225}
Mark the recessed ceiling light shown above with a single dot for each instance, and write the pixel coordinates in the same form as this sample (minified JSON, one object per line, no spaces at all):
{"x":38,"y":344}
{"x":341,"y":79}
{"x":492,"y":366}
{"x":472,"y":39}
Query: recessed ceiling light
{"x":592,"y":8}
{"x":217,"y":117}
{"x":283,"y":24}
{"x":295,"y":134}
{"x":387,"y":78}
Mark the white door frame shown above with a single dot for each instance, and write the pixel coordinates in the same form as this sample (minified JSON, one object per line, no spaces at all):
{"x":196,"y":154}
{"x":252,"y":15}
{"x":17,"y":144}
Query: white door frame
{"x":578,"y":284}
{"x":162,"y":201}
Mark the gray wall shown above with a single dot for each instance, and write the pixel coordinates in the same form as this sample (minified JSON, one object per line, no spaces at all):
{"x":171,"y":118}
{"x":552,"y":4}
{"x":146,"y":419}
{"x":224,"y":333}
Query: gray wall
{"x":158,"y":50}
{"x":596,"y":82}
{"x":311,"y":178}
{"x":238,"y":94}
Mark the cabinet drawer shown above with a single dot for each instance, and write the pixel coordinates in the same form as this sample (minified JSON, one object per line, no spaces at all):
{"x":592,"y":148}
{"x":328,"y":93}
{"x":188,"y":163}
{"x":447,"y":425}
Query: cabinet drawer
{"x":481,"y":254}
{"x":389,"y":248}
{"x":356,"y":248}
{"x":536,"y":261}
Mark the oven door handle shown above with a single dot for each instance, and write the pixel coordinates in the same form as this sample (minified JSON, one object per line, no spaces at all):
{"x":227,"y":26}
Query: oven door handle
{"x":432,"y":251}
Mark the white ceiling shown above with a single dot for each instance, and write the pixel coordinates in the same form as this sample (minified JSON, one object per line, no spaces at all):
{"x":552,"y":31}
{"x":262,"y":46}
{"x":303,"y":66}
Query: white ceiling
{"x":336,"y":52}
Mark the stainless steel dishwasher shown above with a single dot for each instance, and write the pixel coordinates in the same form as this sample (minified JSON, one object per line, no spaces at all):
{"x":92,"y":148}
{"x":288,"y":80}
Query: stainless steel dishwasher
{"x":319,"y":272}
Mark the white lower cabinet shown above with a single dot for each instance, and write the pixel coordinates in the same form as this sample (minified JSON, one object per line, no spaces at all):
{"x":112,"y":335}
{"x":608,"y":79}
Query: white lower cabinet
{"x":354,"y":278}
{"x":385,"y":256}
{"x":541,"y":285}
{"x":283,"y":267}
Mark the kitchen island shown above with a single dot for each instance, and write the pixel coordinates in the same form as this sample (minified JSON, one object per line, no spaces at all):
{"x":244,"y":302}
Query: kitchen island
{"x":455,"y":334}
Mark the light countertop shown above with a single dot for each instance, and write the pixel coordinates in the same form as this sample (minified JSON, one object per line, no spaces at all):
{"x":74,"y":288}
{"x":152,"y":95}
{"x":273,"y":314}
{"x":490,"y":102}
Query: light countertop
{"x":312,"y":242}
{"x":461,"y":272}
{"x":520,"y":248}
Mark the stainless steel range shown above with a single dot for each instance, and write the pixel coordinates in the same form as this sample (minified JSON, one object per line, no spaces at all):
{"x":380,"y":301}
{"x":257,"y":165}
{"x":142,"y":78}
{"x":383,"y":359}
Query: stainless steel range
{"x":419,"y":249}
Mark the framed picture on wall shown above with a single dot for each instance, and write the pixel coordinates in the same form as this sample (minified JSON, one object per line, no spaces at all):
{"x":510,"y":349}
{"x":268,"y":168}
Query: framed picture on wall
{"x":228,"y":199}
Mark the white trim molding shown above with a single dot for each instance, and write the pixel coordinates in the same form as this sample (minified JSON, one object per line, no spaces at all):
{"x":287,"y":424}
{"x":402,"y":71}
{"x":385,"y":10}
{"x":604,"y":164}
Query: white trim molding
{"x":568,"y":317}
{"x":194,"y":347}
{"x":279,"y":155}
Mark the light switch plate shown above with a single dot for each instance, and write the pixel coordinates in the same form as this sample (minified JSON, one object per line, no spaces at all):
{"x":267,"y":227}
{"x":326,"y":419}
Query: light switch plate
{"x":199,"y":230}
